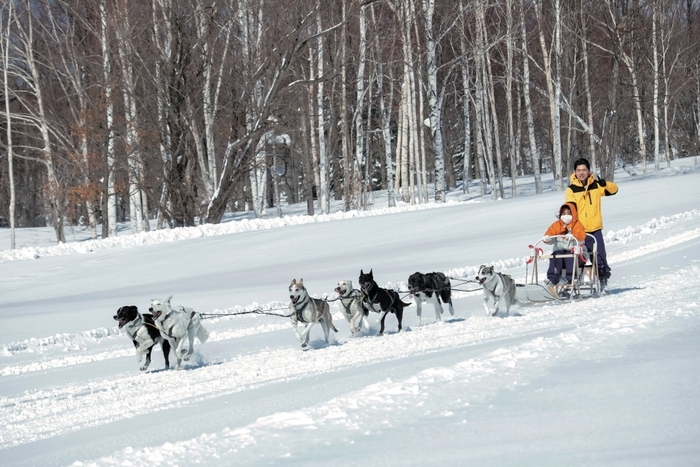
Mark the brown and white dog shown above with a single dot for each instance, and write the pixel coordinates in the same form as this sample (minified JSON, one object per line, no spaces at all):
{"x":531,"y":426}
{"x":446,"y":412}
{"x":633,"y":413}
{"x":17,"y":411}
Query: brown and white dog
{"x":351,"y":301}
{"x":308,"y":310}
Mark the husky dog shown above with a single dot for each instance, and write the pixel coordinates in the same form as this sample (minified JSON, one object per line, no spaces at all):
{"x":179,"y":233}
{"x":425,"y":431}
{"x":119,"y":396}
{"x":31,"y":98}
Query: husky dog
{"x":308,"y":310}
{"x":143,"y":332}
{"x":179,"y":325}
{"x":353,"y":310}
{"x":498,"y":287}
{"x":387,"y":300}
{"x":430,"y":288}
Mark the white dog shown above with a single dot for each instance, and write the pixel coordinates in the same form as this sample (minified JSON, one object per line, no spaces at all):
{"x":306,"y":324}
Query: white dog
{"x":351,"y":300}
{"x":309,"y":311}
{"x":500,"y":288}
{"x":179,"y":325}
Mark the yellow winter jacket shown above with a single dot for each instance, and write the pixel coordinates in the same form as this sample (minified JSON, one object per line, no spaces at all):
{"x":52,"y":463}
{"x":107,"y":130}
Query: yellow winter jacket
{"x":587,"y":198}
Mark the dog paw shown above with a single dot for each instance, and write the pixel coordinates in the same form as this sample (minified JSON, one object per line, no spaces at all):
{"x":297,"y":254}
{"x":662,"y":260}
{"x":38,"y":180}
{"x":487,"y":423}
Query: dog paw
{"x":303,"y":345}
{"x":143,"y":368}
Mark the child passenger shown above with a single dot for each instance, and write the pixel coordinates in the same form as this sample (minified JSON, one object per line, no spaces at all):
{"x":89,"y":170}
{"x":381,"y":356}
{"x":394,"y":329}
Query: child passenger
{"x":574,"y":233}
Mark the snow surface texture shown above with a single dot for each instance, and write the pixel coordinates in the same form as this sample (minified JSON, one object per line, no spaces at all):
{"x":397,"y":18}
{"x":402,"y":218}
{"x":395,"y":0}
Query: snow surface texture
{"x":612,"y":381}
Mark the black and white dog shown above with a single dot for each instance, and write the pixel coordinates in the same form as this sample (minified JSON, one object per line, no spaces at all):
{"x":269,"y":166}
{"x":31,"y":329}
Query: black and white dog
{"x":179,"y":325}
{"x":308,"y":310}
{"x":143,"y":333}
{"x":430,"y":288}
{"x":353,"y":310}
{"x":387,"y":300}
{"x":500,"y":288}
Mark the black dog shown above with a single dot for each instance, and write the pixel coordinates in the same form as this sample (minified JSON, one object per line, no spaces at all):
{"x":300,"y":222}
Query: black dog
{"x":388,"y":300}
{"x":431,"y":287}
{"x":143,"y":332}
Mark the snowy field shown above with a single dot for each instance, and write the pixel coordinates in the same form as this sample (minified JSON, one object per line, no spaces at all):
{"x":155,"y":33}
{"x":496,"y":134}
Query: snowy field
{"x":612,"y":381}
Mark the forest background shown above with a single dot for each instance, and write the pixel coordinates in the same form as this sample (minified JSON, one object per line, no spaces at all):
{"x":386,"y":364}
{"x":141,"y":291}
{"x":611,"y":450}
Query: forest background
{"x":180,"y":111}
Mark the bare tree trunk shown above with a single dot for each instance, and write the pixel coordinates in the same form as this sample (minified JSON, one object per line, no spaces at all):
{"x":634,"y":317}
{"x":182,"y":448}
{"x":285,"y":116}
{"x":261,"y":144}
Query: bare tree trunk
{"x":587,"y":89}
{"x":111,"y":191}
{"x":385,"y":101}
{"x":314,"y":175}
{"x":655,"y":80}
{"x":534,"y":154}
{"x":479,"y":101}
{"x":553,"y":78}
{"x":466,"y":86}
{"x":137,"y":196}
{"x":360,"y":157}
{"x":511,"y":147}
{"x":324,"y":193}
{"x":348,"y":177}
{"x":5,"y":49}
{"x":434,"y":102}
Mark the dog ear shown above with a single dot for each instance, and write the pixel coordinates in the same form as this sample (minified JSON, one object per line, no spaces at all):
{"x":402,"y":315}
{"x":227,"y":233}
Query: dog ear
{"x":169,"y":298}
{"x":294,"y":281}
{"x":301,"y":282}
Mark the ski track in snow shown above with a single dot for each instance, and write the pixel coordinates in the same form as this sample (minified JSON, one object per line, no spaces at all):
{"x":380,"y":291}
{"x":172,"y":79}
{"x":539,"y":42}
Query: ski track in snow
{"x":592,"y":328}
{"x":69,"y":342}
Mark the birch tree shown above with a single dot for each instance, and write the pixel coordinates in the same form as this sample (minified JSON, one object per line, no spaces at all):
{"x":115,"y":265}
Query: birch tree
{"x":553,"y":79}
{"x":138,"y":201}
{"x":110,"y":189}
{"x":6,"y":21}
{"x":433,"y":102}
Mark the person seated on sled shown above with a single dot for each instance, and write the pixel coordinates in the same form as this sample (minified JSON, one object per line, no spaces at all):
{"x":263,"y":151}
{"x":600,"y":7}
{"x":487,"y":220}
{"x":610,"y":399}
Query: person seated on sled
{"x":567,"y":224}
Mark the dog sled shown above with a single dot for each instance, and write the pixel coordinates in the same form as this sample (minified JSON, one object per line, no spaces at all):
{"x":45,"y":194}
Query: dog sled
{"x":584,"y":283}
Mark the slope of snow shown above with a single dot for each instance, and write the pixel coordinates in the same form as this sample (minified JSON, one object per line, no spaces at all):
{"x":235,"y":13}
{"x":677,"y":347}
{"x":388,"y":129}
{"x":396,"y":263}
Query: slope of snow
{"x":607,"y":381}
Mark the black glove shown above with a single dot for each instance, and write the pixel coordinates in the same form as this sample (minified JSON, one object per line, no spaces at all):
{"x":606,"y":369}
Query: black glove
{"x":601,"y":181}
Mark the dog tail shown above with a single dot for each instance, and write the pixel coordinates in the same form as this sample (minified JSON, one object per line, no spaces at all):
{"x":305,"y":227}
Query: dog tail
{"x":202,"y":334}
{"x":405,"y":304}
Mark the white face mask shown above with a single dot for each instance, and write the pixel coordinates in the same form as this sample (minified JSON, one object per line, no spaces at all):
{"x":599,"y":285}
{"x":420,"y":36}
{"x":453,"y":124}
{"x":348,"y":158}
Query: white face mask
{"x":566,"y":218}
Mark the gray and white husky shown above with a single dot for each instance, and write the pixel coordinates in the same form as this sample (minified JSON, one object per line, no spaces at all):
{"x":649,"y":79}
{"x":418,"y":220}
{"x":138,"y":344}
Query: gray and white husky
{"x":351,"y":302}
{"x":500,"y":288}
{"x":308,"y":310}
{"x":179,"y":325}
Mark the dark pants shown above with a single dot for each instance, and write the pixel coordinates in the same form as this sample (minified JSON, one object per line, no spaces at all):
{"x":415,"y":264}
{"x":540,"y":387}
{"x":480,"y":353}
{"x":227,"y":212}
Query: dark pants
{"x":558,"y":265}
{"x":603,"y":268}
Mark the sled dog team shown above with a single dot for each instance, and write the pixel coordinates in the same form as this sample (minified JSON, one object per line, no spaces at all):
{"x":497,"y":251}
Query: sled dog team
{"x":579,"y":220}
{"x":175,"y":327}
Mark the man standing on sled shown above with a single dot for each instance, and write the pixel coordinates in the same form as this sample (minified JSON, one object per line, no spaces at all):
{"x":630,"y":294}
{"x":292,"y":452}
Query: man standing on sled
{"x":586,"y":190}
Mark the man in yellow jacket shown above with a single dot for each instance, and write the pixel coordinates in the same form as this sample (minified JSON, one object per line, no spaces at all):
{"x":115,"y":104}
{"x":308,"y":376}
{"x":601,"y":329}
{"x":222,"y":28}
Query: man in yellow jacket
{"x":586,"y":190}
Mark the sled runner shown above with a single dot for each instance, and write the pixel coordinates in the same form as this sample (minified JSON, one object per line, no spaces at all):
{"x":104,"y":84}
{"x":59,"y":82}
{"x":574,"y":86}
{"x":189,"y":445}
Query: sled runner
{"x":584,"y":275}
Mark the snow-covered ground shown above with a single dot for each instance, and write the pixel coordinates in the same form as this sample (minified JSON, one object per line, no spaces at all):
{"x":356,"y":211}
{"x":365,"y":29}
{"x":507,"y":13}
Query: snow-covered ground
{"x":613,"y":381}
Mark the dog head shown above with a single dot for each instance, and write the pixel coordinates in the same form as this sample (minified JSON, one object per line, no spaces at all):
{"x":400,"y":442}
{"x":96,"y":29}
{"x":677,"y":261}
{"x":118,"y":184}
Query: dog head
{"x":344,"y":288}
{"x":126,"y":314}
{"x":416,"y":282}
{"x":366,"y":280}
{"x":160,"y":306}
{"x":485,"y":273}
{"x":297,"y":291}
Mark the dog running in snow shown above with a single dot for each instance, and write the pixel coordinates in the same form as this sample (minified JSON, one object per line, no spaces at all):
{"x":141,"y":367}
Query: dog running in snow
{"x":431,"y":288}
{"x":388,"y":300}
{"x":142,"y":331}
{"x":353,"y":310}
{"x":308,"y":310}
{"x":500,"y":288}
{"x":179,"y":325}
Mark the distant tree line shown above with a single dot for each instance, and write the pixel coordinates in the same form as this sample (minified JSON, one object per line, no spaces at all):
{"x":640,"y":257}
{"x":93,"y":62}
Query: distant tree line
{"x":181,"y":110}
